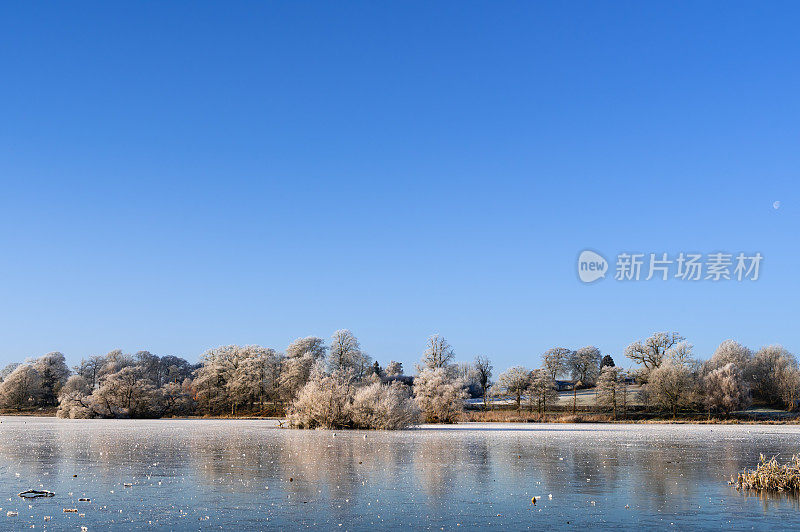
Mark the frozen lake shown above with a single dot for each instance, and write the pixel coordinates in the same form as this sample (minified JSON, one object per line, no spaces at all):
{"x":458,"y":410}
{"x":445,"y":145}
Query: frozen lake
{"x":208,"y":474}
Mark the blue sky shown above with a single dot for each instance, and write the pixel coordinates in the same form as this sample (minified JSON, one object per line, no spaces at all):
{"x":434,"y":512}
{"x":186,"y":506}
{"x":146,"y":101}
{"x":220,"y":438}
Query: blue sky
{"x":177,"y":176}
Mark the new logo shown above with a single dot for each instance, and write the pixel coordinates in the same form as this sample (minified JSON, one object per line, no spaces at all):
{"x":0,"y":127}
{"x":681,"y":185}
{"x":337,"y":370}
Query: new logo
{"x":591,"y":266}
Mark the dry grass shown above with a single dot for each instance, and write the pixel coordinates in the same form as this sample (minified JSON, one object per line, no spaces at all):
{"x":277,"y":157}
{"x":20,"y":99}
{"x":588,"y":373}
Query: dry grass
{"x":514,"y":416}
{"x":509,"y":415}
{"x":48,"y":411}
{"x":769,"y":475}
{"x":501,"y":416}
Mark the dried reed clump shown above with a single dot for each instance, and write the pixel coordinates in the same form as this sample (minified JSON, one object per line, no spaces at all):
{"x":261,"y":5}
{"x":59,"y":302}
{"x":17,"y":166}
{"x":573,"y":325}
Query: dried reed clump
{"x":770,"y":475}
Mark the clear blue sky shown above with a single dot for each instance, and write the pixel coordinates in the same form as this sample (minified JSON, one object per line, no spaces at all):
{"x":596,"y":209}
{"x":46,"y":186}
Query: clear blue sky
{"x":181,"y":175}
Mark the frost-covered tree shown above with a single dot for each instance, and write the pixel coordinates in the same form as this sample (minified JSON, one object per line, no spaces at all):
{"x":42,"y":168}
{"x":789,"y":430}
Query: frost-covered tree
{"x":790,"y":388}
{"x":670,"y":385}
{"x":383,"y":406}
{"x":150,"y":367}
{"x":177,"y":398}
{"x":53,"y":373}
{"x":515,"y":381}
{"x":461,"y":370}
{"x":310,"y":345}
{"x":483,"y":374}
{"x":725,"y":389}
{"x":466,"y":373}
{"x":584,"y":364}
{"x":394,"y":369}
{"x":337,"y":401}
{"x":76,"y":383}
{"x":652,"y":351}
{"x":438,"y":353}
{"x":729,"y":352}
{"x":682,"y":352}
{"x":542,"y":389}
{"x":209,"y":385}
{"x":233,"y":376}
{"x":127,"y":393}
{"x":767,"y":372}
{"x":175,"y":369}
{"x":23,"y":387}
{"x":8,"y":369}
{"x":345,"y":354}
{"x":295,"y":373}
{"x":73,"y":399}
{"x":301,"y":356}
{"x":439,"y":397}
{"x":90,"y":368}
{"x":113,"y":362}
{"x":217,"y":367}
{"x":611,"y":388}
{"x":255,"y":377}
{"x":324,"y":402}
{"x":555,"y":360}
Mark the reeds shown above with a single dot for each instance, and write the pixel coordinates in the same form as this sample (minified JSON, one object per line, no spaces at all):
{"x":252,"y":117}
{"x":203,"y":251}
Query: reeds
{"x":523,"y":416}
{"x":770,"y":475}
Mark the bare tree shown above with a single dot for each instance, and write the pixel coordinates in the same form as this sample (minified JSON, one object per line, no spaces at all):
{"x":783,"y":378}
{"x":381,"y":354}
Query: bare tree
{"x":483,"y":373}
{"x":90,"y":369}
{"x":542,"y":389}
{"x":651,"y":352}
{"x":682,"y":352}
{"x":346,"y":354}
{"x":555,"y":360}
{"x":515,"y":381}
{"x":438,"y":353}
{"x":584,"y":365}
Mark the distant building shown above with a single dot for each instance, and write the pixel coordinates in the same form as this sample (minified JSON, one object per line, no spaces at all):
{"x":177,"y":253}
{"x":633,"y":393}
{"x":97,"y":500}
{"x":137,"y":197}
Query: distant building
{"x":563,"y":385}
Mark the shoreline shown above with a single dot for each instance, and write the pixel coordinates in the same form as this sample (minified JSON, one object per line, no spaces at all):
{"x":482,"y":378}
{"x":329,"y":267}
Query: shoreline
{"x":555,"y":419}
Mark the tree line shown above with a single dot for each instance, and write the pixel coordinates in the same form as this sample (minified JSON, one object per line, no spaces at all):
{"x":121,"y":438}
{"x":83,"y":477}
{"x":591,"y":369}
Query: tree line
{"x":672,"y":378}
{"x":338,"y":385}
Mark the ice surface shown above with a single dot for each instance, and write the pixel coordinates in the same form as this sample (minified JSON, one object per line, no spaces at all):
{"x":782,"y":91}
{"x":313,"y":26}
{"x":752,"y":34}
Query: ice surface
{"x":205,"y":474}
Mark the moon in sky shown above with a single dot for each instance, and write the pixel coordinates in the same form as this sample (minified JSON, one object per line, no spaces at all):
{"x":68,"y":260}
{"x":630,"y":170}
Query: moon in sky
{"x":776,"y":205}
